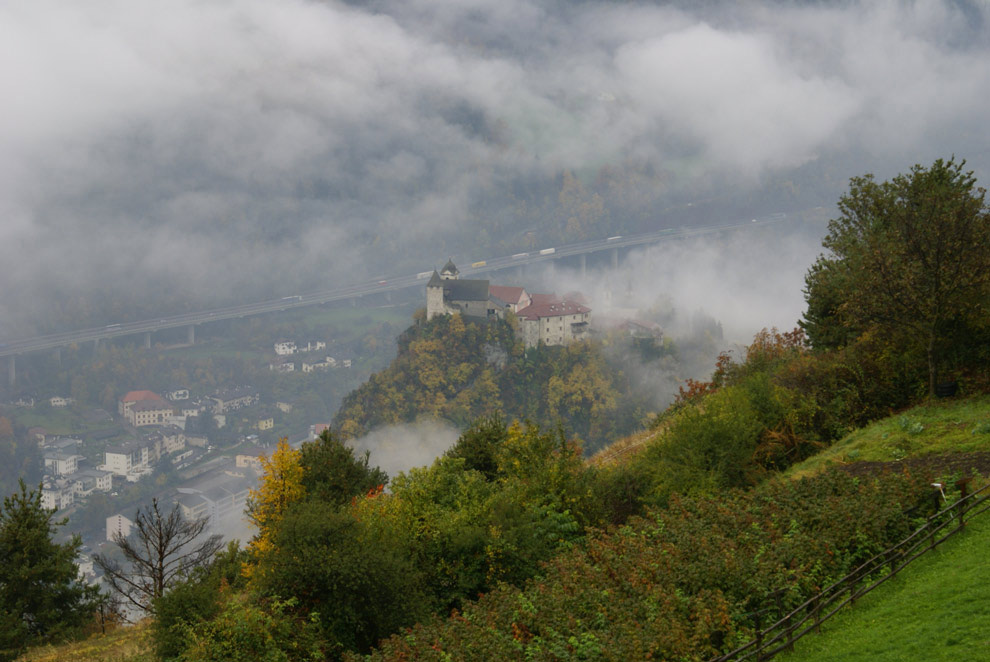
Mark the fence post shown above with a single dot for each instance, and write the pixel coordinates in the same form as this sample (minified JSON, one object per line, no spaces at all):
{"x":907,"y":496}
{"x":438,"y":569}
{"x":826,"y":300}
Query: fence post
{"x":963,"y":492}
{"x":853,"y":583}
{"x":815,"y":608}
{"x":780,"y":616}
{"x":893,"y":555}
{"x":759,"y":636}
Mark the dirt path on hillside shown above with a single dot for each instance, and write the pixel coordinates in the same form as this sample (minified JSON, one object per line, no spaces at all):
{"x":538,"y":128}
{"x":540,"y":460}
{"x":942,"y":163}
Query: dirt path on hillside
{"x":932,"y":465}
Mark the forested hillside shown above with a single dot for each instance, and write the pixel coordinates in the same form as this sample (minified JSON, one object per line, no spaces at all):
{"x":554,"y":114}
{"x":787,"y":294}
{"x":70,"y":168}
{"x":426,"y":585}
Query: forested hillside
{"x":459,"y":370}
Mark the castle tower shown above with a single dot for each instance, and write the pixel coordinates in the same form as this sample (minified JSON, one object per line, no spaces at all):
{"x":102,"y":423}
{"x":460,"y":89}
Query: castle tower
{"x":434,"y":295}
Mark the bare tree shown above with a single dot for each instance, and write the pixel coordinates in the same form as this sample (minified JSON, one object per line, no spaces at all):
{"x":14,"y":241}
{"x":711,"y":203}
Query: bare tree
{"x":162,"y":549}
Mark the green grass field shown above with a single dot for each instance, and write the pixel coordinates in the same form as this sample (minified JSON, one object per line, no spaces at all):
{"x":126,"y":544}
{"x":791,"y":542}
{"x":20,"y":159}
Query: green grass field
{"x":936,"y":609}
{"x":944,"y":426}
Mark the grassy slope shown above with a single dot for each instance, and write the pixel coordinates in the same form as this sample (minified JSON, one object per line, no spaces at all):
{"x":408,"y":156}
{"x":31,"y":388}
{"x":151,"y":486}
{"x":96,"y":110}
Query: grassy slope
{"x":937,"y":609}
{"x":127,"y":644}
{"x":945,"y":426}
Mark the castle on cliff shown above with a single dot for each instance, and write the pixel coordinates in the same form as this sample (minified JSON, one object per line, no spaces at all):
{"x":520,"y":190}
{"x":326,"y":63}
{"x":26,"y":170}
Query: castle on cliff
{"x":543,"y":318}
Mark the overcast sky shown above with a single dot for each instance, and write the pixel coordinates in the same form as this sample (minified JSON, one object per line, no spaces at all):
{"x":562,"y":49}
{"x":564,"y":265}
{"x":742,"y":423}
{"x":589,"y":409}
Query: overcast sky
{"x":214,"y":147}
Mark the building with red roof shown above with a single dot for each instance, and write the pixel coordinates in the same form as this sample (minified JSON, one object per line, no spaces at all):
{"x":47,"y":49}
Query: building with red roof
{"x":553,"y":321}
{"x":127,"y":401}
{"x":513,"y":298}
{"x":142,"y":408}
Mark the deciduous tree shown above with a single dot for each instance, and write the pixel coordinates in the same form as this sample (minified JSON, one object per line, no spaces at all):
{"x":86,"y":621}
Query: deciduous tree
{"x":909,"y":256}
{"x":161,"y":550}
{"x":280,"y":486}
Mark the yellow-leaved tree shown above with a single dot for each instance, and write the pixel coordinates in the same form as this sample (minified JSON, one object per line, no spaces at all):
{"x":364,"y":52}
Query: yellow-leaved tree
{"x":280,"y":486}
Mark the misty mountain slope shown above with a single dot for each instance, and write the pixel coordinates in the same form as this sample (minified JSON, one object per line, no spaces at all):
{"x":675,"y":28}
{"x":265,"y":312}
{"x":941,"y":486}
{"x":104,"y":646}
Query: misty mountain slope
{"x":459,"y":371}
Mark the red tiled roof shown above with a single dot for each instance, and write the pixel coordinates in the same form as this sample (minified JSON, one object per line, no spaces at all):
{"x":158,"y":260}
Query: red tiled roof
{"x":540,"y":299}
{"x":137,"y":396}
{"x":506,"y":293}
{"x":537,"y":311}
{"x":577,"y":297}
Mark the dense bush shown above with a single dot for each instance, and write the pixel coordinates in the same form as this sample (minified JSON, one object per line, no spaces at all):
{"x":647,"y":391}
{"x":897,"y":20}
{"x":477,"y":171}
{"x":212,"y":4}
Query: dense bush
{"x":196,"y":599}
{"x":677,"y":584}
{"x":245,"y":631}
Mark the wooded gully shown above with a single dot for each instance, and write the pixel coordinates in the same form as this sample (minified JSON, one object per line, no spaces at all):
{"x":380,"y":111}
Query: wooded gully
{"x":809,"y":616}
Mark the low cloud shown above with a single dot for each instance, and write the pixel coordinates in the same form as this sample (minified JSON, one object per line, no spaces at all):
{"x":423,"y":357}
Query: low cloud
{"x":398,"y":448}
{"x":201,"y":153}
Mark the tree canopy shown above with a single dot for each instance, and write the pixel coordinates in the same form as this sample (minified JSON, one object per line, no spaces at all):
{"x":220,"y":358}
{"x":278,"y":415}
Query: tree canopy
{"x":40,"y":594}
{"x":907,"y":257}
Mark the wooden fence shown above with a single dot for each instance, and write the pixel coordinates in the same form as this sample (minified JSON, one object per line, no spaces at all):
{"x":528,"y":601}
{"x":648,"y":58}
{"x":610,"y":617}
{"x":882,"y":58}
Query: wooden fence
{"x":809,"y":616}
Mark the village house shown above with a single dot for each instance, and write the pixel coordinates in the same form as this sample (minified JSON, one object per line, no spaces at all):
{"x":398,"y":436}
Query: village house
{"x":59,"y":402}
{"x":149,"y":412}
{"x":234,"y":398}
{"x":178,"y":394}
{"x":216,"y":495}
{"x":250,"y":458}
{"x":169,"y":439}
{"x":57,"y":494}
{"x":317,"y":365}
{"x":284,"y":365}
{"x":128,"y":400}
{"x":285,"y":348}
{"x":131,"y":459}
{"x":61,"y":463}
{"x":118,"y":525}
{"x":87,"y":481}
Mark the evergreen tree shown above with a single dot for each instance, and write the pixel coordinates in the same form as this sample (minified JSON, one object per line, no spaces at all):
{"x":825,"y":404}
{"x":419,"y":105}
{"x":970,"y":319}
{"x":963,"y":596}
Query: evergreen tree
{"x":40,"y":594}
{"x":333,"y":474}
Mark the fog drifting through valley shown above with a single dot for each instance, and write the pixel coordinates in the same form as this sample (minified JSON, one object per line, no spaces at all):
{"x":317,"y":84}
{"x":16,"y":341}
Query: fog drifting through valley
{"x":199,"y":154}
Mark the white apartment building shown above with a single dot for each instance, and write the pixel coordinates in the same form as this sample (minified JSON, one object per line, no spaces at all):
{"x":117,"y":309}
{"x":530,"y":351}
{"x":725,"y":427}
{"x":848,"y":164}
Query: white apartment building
{"x":285,"y":348}
{"x":62,"y":463}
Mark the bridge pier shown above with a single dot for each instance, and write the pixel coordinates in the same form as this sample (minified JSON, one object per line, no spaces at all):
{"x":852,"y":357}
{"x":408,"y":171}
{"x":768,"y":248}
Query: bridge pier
{"x":191,"y":334}
{"x":11,"y":370}
{"x":519,"y":273}
{"x":388,"y":296}
{"x":615,"y":258}
{"x":147,"y":340}
{"x":58,"y":356}
{"x":353,"y":302}
{"x":584,"y":265}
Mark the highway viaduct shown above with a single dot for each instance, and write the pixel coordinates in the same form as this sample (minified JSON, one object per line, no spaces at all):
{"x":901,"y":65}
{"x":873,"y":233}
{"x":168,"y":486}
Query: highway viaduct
{"x":12,"y":348}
